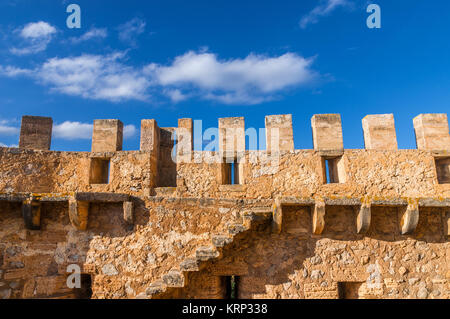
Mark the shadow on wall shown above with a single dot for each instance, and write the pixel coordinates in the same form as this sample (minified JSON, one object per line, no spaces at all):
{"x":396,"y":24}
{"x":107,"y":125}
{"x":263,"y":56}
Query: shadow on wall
{"x":292,"y":264}
{"x":34,"y":263}
{"x":337,"y":264}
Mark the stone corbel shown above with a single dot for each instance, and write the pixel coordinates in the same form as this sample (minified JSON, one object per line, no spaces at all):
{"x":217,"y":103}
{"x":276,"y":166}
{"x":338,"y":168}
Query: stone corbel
{"x":31,"y":212}
{"x":277,"y":211}
{"x":318,"y":218}
{"x":78,"y":214}
{"x":364,"y":217}
{"x":448,"y":224}
{"x":128,"y":212}
{"x":410,"y":217}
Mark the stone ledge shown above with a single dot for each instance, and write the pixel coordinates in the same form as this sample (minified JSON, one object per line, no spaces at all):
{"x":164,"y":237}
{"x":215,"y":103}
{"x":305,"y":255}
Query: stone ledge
{"x":57,"y":197}
{"x":20,"y":197}
{"x":102,"y":197}
{"x":346,"y":201}
{"x":285,"y":201}
{"x":232,"y":188}
{"x":102,"y":155}
{"x":165,"y":191}
{"x":331,"y":153}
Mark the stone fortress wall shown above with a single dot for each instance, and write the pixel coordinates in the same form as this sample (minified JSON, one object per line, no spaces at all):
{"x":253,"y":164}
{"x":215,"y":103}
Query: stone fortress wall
{"x":280,"y":223}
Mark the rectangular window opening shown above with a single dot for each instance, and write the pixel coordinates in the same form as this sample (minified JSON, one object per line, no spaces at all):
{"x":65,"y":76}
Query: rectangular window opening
{"x":230,"y":172}
{"x":85,"y":292}
{"x":233,"y":173}
{"x":349,"y":290}
{"x":334,"y":170}
{"x":99,"y":171}
{"x":443,"y":169}
{"x":327,"y":171}
{"x":232,"y":284}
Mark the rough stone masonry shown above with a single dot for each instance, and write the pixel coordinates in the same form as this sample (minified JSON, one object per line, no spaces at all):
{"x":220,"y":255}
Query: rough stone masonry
{"x":323,"y":223}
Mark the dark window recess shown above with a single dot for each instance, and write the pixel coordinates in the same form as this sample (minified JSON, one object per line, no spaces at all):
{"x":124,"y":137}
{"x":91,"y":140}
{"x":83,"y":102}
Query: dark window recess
{"x":233,"y":173}
{"x":327,"y":171}
{"x":99,"y":171}
{"x":230,"y":173}
{"x":85,"y":292}
{"x":349,"y":290}
{"x":232,"y":284}
{"x":334,"y":170}
{"x":443,"y":170}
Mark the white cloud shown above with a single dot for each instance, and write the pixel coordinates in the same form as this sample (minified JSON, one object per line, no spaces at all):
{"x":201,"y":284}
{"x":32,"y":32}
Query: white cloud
{"x":11,"y":71}
{"x":130,"y":30}
{"x":83,"y":131}
{"x":7,"y":129}
{"x":175,"y":95}
{"x":94,"y":77}
{"x":250,"y":80}
{"x":35,"y":38}
{"x":73,"y":131}
{"x":129,"y":131}
{"x":91,"y":34}
{"x":37,"y":30}
{"x":325,"y":8}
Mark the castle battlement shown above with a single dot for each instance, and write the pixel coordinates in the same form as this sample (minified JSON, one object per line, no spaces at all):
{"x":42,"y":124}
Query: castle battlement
{"x":431,"y":131}
{"x":168,"y":221}
{"x":167,"y":162}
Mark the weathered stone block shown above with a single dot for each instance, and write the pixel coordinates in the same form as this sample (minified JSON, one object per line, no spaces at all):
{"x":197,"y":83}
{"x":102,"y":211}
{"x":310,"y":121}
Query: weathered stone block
{"x":78,"y":214}
{"x":318,"y":220}
{"x":15,"y":274}
{"x":174,"y":279}
{"x":363,"y":219}
{"x":128,"y":212}
{"x":185,"y":140}
{"x":232,"y":137}
{"x":409,"y":218}
{"x":149,"y":135}
{"x":206,"y":253}
{"x":277,"y":216}
{"x":327,"y":132}
{"x":279,"y":133}
{"x":107,"y":136}
{"x":379,"y":132}
{"x":432,"y":132}
{"x":36,"y":133}
{"x":236,"y":229}
{"x":150,"y":142}
{"x":156,"y":288}
{"x":221,"y":241}
{"x":189,"y":264}
{"x":167,"y":167}
{"x":232,"y":268}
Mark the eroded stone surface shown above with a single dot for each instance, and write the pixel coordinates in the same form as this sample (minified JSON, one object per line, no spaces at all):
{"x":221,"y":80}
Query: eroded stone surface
{"x":181,"y":241}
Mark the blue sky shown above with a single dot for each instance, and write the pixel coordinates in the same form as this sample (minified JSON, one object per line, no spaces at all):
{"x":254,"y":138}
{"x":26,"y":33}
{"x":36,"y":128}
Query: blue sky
{"x":208,"y":59}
